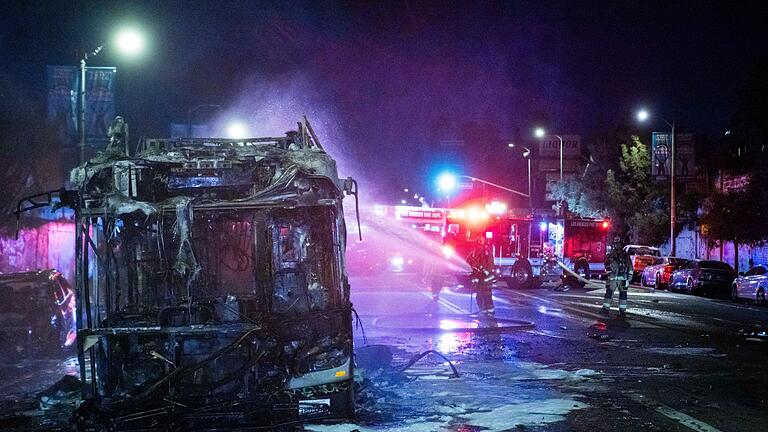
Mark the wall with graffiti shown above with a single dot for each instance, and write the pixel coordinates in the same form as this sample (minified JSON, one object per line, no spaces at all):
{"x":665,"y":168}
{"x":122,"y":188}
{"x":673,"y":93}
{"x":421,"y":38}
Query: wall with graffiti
{"x":50,"y":245}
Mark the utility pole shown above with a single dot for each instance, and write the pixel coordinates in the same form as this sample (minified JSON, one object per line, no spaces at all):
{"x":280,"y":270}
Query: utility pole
{"x":81,"y":111}
{"x":672,"y":203}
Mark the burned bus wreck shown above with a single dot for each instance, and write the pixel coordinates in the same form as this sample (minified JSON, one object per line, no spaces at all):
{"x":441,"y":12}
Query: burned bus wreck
{"x":211,"y":284}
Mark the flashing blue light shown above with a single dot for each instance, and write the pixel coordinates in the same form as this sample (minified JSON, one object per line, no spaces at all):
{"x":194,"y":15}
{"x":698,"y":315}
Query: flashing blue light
{"x":446,"y":181}
{"x":543,"y":226}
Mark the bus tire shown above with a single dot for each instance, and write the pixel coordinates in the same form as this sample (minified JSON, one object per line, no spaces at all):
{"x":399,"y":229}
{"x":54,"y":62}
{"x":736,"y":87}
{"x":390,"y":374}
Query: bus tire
{"x":522,"y":275}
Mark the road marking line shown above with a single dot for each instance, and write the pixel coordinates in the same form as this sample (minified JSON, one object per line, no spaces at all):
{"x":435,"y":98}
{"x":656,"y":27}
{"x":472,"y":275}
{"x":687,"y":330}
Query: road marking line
{"x":563,"y":306}
{"x":669,"y":412}
{"x":447,"y":304}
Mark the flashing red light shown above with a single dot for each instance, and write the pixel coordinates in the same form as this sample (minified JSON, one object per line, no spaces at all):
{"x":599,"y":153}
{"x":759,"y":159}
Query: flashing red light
{"x":605,"y":224}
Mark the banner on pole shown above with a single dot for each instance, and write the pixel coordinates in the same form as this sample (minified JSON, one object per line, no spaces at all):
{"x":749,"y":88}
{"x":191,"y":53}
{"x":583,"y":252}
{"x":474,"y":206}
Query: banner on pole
{"x":685,"y":163}
{"x":660,"y":155}
{"x":99,"y":103}
{"x":62,"y":102}
{"x":63,"y":91}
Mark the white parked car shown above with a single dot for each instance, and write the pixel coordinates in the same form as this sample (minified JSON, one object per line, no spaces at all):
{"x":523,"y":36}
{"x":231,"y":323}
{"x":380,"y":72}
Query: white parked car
{"x":641,"y":257}
{"x":751,"y":285}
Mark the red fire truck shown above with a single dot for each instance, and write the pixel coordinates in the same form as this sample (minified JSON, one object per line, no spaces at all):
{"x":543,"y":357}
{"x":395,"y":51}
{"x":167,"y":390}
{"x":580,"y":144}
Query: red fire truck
{"x":528,"y":246}
{"x":397,"y":239}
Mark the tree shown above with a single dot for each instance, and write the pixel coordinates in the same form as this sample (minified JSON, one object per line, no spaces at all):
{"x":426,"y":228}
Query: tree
{"x":584,"y":195}
{"x":636,"y":204}
{"x":738,"y":216}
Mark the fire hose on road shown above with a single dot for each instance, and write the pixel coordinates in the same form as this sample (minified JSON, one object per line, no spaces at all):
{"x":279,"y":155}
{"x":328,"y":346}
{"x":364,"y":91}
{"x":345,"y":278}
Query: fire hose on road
{"x":588,"y":283}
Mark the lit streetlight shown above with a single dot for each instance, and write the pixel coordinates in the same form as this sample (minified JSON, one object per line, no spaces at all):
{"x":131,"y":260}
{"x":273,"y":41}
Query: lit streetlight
{"x":447,"y":182}
{"x":127,"y":41}
{"x":642,"y":116}
{"x":236,"y":130}
{"x":527,"y":155}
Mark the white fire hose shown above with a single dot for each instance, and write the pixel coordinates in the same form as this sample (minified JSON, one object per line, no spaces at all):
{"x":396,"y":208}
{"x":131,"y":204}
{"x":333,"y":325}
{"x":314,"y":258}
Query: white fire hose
{"x":588,"y":283}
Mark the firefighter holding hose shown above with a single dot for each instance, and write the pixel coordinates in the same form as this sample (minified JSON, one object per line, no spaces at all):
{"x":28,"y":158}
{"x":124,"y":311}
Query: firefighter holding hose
{"x":619,"y":268}
{"x":481,"y":261}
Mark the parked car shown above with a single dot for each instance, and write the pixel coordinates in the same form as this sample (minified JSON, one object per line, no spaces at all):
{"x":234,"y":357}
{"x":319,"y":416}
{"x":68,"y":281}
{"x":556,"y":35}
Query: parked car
{"x":38,"y":313}
{"x":703,"y":277}
{"x":751,"y":285}
{"x":657,"y":275}
{"x":641,"y":257}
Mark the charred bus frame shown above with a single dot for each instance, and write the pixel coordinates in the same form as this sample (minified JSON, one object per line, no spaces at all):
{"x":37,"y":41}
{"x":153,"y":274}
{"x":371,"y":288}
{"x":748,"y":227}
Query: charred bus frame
{"x":211,"y":284}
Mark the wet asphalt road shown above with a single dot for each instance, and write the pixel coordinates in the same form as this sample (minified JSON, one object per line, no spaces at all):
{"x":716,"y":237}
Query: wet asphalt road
{"x":678,"y":363}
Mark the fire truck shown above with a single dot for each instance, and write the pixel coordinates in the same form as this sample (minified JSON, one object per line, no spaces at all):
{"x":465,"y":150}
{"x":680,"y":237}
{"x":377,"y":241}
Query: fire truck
{"x":529,"y":246}
{"x":397,"y":239}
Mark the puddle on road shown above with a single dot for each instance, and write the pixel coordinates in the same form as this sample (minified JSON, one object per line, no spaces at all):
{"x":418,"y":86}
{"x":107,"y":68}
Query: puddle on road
{"x":496,"y":396}
{"x":687,"y":351}
{"x":450,"y":323}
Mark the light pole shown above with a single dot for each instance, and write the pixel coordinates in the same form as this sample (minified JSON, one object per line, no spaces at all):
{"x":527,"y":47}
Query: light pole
{"x":527,"y":156}
{"x":447,"y":181}
{"x":129,"y":42}
{"x":642,"y":116}
{"x":540,"y":133}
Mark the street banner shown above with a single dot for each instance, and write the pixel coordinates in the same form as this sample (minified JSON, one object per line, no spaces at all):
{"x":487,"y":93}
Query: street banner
{"x":63,"y":90}
{"x":99,"y":103}
{"x":685,"y":163}
{"x":660,"y":152}
{"x":549,"y":146}
{"x":62,"y":102}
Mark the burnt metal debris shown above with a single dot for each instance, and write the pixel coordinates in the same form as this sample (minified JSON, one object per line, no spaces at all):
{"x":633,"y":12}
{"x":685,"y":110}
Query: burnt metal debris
{"x":211,"y":286}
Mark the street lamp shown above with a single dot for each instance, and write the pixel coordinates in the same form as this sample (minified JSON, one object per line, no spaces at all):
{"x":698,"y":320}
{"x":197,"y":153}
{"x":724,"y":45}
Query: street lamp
{"x":540,"y":133}
{"x":526,"y":155}
{"x":447,"y":181}
{"x":236,"y":130}
{"x":642,"y":116}
{"x":127,"y":41}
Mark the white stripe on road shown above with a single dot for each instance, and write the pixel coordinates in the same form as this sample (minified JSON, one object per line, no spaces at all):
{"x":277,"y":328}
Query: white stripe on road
{"x":669,"y":412}
{"x":446,"y":303}
{"x":562,"y":306}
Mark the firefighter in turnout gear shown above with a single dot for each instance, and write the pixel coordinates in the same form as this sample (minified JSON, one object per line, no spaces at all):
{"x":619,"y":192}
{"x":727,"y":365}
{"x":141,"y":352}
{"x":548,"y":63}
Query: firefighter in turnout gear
{"x":481,"y":261}
{"x":619,"y":268}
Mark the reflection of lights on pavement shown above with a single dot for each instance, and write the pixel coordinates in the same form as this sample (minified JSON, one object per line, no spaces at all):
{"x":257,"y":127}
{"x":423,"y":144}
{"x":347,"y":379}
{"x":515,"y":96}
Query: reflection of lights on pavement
{"x":447,"y":343}
{"x":451,"y":342}
{"x":449,"y":324}
{"x":542,"y":309}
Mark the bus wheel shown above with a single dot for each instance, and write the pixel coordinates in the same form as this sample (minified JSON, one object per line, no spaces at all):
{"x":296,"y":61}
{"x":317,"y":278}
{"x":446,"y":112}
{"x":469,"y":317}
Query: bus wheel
{"x":522,"y":275}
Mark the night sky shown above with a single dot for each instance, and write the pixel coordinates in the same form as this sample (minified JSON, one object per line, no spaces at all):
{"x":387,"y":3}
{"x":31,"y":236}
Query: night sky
{"x":385,"y":81}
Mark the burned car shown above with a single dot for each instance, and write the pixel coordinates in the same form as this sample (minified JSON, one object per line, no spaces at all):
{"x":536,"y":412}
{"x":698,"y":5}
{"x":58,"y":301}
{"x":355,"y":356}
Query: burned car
{"x":38,"y":315}
{"x":211,"y":280}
